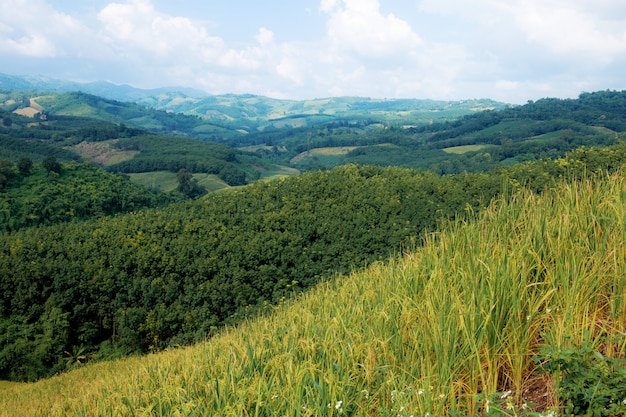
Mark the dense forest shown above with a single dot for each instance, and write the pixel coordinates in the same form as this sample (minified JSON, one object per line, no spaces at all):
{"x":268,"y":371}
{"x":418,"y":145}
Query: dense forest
{"x":34,"y":194}
{"x":162,"y":277}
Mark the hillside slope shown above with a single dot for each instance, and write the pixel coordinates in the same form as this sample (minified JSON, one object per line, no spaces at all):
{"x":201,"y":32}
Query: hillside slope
{"x":444,"y":328}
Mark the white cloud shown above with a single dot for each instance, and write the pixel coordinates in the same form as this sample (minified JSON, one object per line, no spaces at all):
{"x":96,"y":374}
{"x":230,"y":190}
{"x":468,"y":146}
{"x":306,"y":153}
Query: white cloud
{"x":136,"y":27}
{"x":510,"y":50}
{"x":358,"y":26}
{"x":265,"y":36}
{"x":569,"y":28}
{"x":562,"y":27}
{"x":33,"y":28}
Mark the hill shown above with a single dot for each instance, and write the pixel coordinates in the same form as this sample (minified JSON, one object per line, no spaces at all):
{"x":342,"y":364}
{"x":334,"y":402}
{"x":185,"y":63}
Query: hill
{"x":78,"y":126}
{"x":443,"y":137}
{"x":485,"y":318}
{"x":476,"y":142}
{"x":33,"y":194}
{"x":251,"y":113}
{"x":157,"y":278}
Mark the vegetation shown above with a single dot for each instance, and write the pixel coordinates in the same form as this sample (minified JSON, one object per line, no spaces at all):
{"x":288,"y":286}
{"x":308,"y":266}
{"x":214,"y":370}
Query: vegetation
{"x":64,"y":137}
{"x":443,"y":137}
{"x":157,"y":278}
{"x":510,"y":308}
{"x":51,"y":192}
{"x":158,"y":153}
{"x":460,"y":326}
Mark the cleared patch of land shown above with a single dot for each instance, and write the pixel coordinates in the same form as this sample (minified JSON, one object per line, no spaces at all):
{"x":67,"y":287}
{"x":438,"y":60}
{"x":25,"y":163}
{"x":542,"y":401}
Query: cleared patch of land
{"x":459,"y":150}
{"x":335,"y":151}
{"x":102,"y":152}
{"x":281,"y":172}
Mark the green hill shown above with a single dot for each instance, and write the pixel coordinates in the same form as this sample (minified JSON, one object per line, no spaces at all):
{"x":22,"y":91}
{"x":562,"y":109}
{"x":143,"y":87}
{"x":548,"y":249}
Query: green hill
{"x":76,"y":126}
{"x":256,"y":113}
{"x":471,"y":323}
{"x":443,"y":137}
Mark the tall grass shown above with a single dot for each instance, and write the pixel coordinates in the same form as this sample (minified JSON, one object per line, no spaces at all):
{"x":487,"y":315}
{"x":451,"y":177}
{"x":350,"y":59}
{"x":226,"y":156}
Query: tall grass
{"x":427,"y":333}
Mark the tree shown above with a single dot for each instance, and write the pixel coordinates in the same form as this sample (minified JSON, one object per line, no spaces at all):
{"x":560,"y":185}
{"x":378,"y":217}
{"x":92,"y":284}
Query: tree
{"x":187,"y":185}
{"x":25,"y":166}
{"x":51,"y":164}
{"x":6,"y":171}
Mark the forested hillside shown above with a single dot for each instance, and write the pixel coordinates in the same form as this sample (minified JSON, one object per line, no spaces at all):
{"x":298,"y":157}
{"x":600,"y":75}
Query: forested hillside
{"x":476,"y":142}
{"x":157,"y":278}
{"x":34,"y":194}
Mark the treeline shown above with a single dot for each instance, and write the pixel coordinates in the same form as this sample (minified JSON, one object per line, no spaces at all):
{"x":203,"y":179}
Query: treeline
{"x":157,"y":278}
{"x":33,"y":194}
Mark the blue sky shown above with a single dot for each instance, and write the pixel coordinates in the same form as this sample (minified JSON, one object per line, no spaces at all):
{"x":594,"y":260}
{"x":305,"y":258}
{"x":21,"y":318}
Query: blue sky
{"x":508,"y":50}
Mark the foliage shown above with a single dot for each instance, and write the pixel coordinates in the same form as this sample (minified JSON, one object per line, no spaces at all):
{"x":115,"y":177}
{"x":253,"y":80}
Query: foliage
{"x":159,"y":153}
{"x":588,"y":382}
{"x":75,"y":192}
{"x":51,"y":165}
{"x":548,"y":128}
{"x":157,"y":278}
{"x":25,"y":166}
{"x":437,"y":330}
{"x":187,"y":185}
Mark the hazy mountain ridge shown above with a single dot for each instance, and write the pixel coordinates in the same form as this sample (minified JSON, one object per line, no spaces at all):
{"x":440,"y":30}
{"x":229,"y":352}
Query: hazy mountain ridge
{"x":105,"y":89}
{"x":252,"y":112}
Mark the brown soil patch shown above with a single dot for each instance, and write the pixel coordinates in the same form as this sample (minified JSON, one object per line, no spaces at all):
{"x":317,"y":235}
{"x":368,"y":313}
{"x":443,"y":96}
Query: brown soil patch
{"x":539,"y":393}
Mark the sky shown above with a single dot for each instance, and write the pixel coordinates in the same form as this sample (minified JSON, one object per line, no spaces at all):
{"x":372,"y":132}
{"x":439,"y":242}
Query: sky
{"x":506,"y":50}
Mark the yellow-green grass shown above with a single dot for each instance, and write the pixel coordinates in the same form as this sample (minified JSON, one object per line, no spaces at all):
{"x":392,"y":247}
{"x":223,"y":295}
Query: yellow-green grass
{"x":280,"y":172}
{"x":459,"y":150}
{"x":425,"y":332}
{"x":330,"y":151}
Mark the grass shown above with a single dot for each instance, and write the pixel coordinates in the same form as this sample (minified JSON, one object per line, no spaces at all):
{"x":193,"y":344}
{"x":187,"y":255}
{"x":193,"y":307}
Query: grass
{"x":430,"y":332}
{"x":459,"y":150}
{"x":330,"y":151}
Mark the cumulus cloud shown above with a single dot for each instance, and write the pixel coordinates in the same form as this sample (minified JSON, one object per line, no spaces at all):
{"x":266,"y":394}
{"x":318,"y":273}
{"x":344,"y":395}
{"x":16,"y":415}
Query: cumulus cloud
{"x":359,"y":26}
{"x":35,"y":29}
{"x":563,"y":27}
{"x":443,"y":49}
{"x":137,"y":27}
{"x":569,"y":28}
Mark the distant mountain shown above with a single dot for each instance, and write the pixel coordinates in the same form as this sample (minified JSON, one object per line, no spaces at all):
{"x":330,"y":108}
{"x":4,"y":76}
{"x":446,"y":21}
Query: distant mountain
{"x":249,"y":113}
{"x":104,"y":89}
{"x":258,"y":112}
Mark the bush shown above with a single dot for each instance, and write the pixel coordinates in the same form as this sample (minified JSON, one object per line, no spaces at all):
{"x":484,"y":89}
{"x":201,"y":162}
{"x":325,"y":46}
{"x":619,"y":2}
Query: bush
{"x":588,"y":383}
